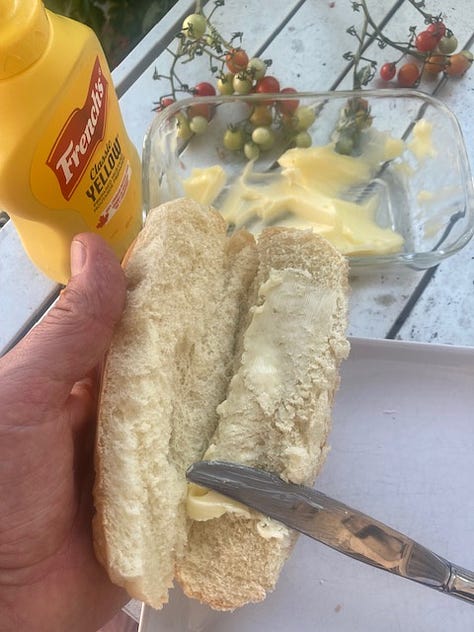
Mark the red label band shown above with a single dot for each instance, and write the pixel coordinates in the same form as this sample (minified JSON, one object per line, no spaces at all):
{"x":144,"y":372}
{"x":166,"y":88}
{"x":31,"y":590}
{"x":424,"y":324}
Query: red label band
{"x":81,"y":134}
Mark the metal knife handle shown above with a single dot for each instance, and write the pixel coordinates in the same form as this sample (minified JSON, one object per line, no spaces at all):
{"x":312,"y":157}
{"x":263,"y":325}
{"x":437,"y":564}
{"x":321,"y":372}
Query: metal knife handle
{"x":461,"y":583}
{"x":335,"y":524}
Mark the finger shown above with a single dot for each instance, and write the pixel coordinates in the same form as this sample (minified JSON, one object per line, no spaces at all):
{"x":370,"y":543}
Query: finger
{"x":71,"y":340}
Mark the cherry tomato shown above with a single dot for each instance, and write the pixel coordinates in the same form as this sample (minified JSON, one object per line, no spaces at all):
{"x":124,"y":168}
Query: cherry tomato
{"x":447,"y":44}
{"x":459,"y":63}
{"x":303,"y":139}
{"x":426,"y":41}
{"x":204,"y":89}
{"x":198,"y":124}
{"x":267,"y":84}
{"x":242,"y":84}
{"x":164,"y":103}
{"x":438,"y":29}
{"x":234,"y":139}
{"x":224,"y":84}
{"x":435,"y":64}
{"x":261,"y":115}
{"x":388,"y":71}
{"x":201,"y":109}
{"x":182,"y":121}
{"x":264,"y":137}
{"x":256,"y":68}
{"x":236,"y":60}
{"x":408,"y":75}
{"x":194,"y":26}
{"x":288,"y":106}
{"x":251,"y":151}
{"x":303,"y":118}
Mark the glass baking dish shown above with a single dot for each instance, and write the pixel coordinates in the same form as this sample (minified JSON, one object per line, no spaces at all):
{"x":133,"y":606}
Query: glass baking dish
{"x":383,"y":174}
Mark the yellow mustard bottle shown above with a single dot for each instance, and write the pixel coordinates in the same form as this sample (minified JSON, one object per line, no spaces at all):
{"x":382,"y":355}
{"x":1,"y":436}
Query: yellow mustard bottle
{"x":66,"y":162}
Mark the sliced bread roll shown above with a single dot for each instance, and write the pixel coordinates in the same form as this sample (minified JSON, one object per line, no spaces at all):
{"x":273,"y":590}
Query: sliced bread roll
{"x":277,"y":412}
{"x":168,"y":368}
{"x":227,"y":349}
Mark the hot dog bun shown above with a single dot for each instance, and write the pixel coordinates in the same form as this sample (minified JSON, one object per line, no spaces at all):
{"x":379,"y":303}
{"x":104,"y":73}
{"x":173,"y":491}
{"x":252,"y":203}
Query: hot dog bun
{"x":227,"y":347}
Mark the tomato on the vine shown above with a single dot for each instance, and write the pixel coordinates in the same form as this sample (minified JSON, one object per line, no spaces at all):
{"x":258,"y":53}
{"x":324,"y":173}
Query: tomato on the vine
{"x":234,"y":139}
{"x":251,"y":151}
{"x":303,"y":139}
{"x":224,"y":84}
{"x":438,"y":29}
{"x":267,"y":84}
{"x":198,"y":124}
{"x":408,"y":75}
{"x":261,"y":115}
{"x":194,"y":26}
{"x":236,"y":60}
{"x":303,"y":118}
{"x":201,"y":109}
{"x":435,"y":64}
{"x":447,"y":44}
{"x":264,"y":137}
{"x":459,"y":63}
{"x":256,"y":68}
{"x":388,"y":71}
{"x":204,"y":89}
{"x":242,"y":84}
{"x":426,"y":41}
{"x":182,"y":122}
{"x":164,"y":103}
{"x":288,"y":106}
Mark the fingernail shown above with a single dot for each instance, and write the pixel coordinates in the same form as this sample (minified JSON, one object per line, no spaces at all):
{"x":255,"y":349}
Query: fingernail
{"x":78,"y":256}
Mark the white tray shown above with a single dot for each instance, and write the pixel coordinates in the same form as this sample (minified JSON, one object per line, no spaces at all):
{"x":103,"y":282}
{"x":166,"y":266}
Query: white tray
{"x":403,"y":452}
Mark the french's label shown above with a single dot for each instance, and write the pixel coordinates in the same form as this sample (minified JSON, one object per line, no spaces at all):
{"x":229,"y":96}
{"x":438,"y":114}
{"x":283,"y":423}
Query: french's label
{"x":80,"y":136}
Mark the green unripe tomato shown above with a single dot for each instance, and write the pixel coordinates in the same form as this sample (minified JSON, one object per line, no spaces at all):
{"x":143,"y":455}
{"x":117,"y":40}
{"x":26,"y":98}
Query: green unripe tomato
{"x":234,"y":139}
{"x":194,"y":26}
{"x":261,"y":136}
{"x":198,"y":124}
{"x":225,"y":84}
{"x":242,"y":84}
{"x":184,"y":131}
{"x":256,"y":68}
{"x":447,"y":45}
{"x":251,"y":151}
{"x":303,"y":139}
{"x":303,"y":118}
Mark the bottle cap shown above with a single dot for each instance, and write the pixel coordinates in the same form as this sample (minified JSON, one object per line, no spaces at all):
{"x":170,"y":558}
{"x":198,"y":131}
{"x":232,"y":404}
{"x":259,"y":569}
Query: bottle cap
{"x":24,"y":35}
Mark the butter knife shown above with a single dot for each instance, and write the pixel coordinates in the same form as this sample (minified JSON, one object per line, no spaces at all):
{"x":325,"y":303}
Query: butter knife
{"x":335,"y":524}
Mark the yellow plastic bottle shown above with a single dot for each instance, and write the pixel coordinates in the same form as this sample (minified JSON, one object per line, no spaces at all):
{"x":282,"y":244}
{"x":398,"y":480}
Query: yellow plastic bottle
{"x":66,"y":162}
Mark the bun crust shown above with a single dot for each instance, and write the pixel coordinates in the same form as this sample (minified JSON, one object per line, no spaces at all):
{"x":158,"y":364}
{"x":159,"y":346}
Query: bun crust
{"x":181,"y":375}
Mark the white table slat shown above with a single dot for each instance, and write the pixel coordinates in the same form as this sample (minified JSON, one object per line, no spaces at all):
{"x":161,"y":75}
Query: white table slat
{"x":26,"y":292}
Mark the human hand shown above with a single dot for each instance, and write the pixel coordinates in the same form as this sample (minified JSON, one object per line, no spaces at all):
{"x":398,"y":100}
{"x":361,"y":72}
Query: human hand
{"x":49,"y":578}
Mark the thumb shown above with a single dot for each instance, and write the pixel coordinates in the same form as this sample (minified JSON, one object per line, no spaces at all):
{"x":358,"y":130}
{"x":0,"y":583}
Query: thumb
{"x":73,"y":337}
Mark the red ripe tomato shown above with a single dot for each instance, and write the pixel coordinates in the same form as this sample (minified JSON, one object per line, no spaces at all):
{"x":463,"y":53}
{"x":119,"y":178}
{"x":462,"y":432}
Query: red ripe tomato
{"x":388,"y":71}
{"x":438,"y":29}
{"x":236,"y":60}
{"x":267,"y":84}
{"x":288,"y":106}
{"x":204,"y":89}
{"x":426,"y":41}
{"x":408,"y":75}
{"x":164,"y":103}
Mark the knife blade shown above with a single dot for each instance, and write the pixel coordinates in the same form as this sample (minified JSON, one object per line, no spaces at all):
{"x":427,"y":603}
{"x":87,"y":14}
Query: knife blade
{"x":334,"y":524}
